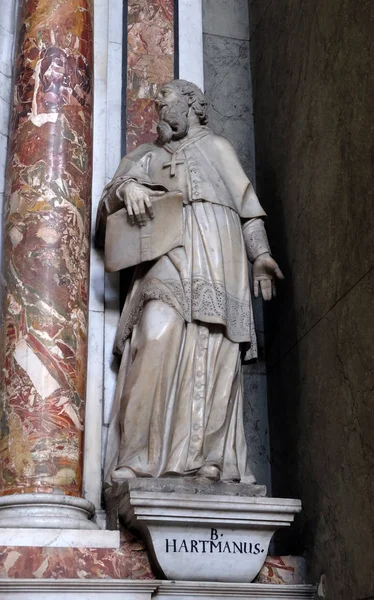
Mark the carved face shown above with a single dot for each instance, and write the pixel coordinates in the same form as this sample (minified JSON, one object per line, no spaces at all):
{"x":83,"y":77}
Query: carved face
{"x":167,"y":95}
{"x":172,"y":108}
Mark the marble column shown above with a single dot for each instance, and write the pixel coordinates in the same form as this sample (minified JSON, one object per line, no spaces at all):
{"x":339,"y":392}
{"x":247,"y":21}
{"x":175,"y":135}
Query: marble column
{"x":46,"y":268}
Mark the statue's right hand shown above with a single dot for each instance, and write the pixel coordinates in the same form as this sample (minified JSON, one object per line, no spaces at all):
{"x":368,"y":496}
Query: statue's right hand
{"x":137,"y":200}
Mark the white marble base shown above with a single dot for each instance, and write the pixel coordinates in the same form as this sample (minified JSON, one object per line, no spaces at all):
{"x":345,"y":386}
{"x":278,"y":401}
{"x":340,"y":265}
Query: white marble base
{"x":59,"y":538}
{"x":89,"y":589}
{"x":46,"y":511}
{"x":203,"y":536}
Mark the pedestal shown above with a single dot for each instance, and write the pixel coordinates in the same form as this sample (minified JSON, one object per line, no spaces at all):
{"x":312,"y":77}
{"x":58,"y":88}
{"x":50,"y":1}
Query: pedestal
{"x":199,"y":531}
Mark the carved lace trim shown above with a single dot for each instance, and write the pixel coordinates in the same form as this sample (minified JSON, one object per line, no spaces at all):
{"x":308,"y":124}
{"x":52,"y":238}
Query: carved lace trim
{"x":201,"y":301}
{"x":255,"y":238}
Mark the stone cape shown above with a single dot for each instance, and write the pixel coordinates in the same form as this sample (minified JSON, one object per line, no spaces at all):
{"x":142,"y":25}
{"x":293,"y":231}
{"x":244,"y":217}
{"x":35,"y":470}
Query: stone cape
{"x":209,"y":170}
{"x":201,"y":281}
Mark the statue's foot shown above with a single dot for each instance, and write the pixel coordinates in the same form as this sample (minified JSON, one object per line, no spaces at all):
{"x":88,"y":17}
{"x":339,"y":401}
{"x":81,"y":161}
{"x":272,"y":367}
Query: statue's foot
{"x":122,"y":474}
{"x":249,"y":479}
{"x":210,"y":472}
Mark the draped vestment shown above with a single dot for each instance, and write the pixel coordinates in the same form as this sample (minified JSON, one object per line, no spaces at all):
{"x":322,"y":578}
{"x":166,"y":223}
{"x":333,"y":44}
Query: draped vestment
{"x":178,"y":402}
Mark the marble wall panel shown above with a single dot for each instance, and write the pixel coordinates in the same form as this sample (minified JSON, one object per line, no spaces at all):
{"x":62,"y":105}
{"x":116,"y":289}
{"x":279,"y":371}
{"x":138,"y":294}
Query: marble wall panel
{"x":282,"y":570}
{"x":256,"y":422}
{"x":228,"y":89}
{"x":150,"y":62}
{"x":46,"y":251}
{"x":226,"y":18}
{"x":130,"y":561}
{"x":257,"y":10}
{"x":321,"y":394}
{"x":313,"y":144}
{"x":311,"y":70}
{"x":190,"y":25}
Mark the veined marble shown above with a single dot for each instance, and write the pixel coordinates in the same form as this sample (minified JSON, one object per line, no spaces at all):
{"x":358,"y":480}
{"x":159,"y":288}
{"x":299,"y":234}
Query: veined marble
{"x":130,"y":561}
{"x":46,"y":250}
{"x":150,"y":62}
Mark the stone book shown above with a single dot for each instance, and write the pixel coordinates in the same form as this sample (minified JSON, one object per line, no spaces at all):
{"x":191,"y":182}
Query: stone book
{"x":135,"y":244}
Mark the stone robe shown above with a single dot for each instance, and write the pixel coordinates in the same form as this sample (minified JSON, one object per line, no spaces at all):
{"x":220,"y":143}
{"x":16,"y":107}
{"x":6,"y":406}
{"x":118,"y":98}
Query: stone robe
{"x":178,"y":402}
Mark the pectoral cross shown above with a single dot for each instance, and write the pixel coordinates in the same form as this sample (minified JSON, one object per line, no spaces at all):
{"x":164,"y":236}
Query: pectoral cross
{"x":173,"y":164}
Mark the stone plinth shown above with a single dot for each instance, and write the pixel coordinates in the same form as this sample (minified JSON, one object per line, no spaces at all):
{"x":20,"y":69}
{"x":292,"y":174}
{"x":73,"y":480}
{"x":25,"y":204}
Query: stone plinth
{"x":198,"y":531}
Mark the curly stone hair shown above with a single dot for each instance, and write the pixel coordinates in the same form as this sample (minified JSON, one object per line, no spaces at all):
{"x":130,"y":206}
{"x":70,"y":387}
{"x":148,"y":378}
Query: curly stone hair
{"x":199,"y":102}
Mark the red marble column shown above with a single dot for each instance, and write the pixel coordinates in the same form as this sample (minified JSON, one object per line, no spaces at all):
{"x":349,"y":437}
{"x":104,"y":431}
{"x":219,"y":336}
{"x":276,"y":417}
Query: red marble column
{"x":46,"y":251}
{"x":150,"y":63}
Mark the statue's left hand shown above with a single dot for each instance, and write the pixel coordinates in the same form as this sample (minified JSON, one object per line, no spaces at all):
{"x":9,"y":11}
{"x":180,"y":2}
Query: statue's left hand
{"x":265,"y":270}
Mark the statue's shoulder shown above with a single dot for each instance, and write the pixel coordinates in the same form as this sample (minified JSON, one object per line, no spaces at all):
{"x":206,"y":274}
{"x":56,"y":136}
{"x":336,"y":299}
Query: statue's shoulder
{"x":218,"y":141}
{"x":141,"y":150}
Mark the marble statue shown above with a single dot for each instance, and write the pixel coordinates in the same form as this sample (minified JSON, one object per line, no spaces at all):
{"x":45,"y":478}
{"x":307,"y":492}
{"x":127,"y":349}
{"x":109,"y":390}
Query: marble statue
{"x":187,"y":319}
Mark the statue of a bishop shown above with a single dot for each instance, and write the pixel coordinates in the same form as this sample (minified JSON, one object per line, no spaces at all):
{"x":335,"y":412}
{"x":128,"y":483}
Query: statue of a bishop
{"x":187,"y":319}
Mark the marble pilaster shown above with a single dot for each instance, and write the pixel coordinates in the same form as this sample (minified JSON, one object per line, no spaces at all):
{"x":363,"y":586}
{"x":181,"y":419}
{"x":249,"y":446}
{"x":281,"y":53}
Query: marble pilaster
{"x":191,"y":64}
{"x":46,"y":257}
{"x":150,"y":62}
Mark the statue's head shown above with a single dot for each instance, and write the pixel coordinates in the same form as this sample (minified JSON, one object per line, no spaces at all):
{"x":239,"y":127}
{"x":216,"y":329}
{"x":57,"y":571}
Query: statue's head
{"x":178,"y":103}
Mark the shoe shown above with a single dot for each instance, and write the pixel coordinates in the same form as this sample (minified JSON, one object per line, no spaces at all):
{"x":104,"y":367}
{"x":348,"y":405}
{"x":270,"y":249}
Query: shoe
{"x":209,"y":472}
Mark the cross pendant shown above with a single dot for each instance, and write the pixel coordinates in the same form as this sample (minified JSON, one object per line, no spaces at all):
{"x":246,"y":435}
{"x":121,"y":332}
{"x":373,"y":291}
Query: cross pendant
{"x":173,"y":164}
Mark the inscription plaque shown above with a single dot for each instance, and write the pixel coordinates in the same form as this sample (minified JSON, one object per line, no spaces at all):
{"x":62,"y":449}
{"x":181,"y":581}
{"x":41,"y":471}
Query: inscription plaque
{"x":208,"y":553}
{"x":216,"y":544}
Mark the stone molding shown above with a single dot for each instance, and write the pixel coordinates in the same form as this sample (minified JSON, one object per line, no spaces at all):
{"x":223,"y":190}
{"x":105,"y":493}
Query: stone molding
{"x":46,"y":511}
{"x":145,"y":590}
{"x":265,"y":512}
{"x":213,"y":591}
{"x":79,"y":586}
{"x":59,"y":538}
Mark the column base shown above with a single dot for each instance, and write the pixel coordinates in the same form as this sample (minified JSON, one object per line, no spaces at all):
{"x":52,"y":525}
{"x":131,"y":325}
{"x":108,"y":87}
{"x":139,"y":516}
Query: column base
{"x":71,"y":589}
{"x":46,"y":511}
